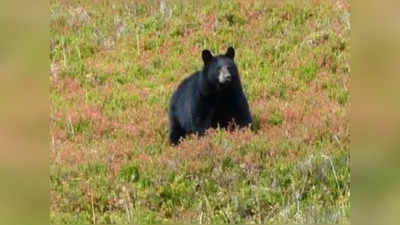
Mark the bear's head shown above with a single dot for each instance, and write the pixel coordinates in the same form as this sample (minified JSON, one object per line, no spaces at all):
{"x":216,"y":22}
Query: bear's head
{"x":220,"y":71}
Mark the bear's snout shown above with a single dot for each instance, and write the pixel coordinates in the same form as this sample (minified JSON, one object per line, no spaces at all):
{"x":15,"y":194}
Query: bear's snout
{"x":224,"y":75}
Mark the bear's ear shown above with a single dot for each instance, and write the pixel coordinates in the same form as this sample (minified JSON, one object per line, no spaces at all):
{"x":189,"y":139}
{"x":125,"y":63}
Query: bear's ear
{"x":206,"y":55}
{"x":230,"y":53}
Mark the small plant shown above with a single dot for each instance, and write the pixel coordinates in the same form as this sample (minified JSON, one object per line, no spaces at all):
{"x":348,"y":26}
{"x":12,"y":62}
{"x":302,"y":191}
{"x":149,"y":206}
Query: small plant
{"x":256,"y":124}
{"x":308,"y":73}
{"x":343,"y":97}
{"x":129,"y":173}
{"x":80,"y":127}
{"x":227,"y":164}
{"x":275,"y":118}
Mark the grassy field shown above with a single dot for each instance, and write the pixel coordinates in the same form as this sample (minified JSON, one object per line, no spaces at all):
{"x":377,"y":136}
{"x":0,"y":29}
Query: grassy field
{"x":114,"y":66}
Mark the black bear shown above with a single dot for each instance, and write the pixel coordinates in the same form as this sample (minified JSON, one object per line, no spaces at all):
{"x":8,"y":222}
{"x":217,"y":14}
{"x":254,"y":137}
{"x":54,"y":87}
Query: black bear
{"x":208,"y":98}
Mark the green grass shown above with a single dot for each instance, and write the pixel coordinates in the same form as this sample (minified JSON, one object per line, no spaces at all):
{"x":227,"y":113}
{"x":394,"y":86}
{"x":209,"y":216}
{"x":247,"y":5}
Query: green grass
{"x":115,"y":67}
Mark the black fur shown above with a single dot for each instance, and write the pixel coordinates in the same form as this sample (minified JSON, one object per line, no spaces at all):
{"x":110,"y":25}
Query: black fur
{"x":201,"y":101}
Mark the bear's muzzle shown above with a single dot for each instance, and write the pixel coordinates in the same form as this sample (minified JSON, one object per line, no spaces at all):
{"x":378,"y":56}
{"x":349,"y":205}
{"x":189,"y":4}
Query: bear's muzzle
{"x":224,"y":75}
